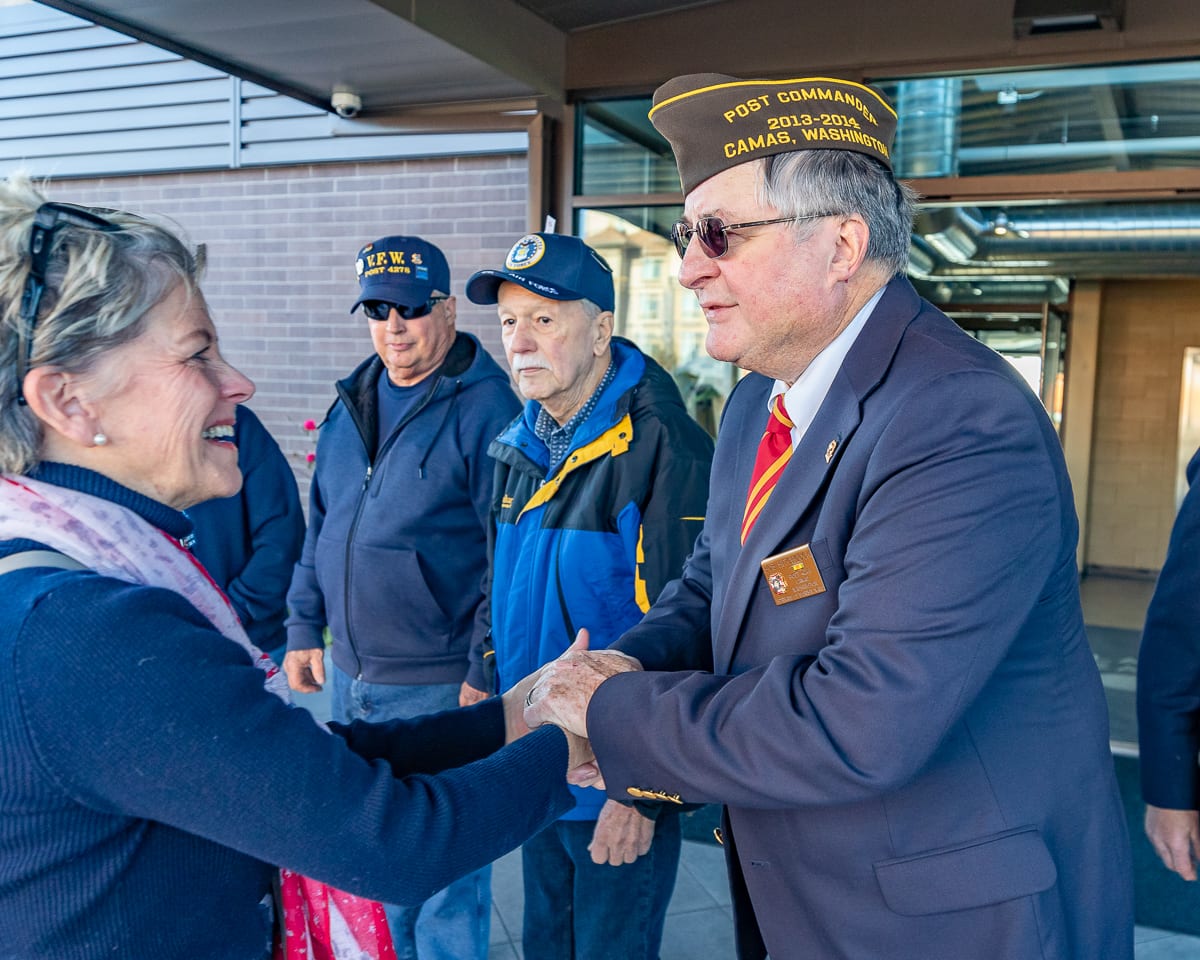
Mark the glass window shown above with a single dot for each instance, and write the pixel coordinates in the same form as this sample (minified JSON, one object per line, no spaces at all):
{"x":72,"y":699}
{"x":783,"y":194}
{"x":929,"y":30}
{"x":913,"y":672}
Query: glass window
{"x":652,"y":310}
{"x":1056,"y":120}
{"x":649,"y":306}
{"x":1107,"y":118}
{"x":621,"y":152}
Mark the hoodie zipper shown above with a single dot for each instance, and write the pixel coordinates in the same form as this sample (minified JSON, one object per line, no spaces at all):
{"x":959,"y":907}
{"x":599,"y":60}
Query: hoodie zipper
{"x":363,"y":493}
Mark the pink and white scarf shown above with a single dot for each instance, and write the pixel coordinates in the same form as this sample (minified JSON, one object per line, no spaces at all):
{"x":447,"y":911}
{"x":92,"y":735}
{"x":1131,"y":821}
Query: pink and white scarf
{"x":320,"y":922}
{"x":115,"y":542}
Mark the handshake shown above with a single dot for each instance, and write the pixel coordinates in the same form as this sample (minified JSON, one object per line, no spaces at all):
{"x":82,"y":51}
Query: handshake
{"x":559,"y":693}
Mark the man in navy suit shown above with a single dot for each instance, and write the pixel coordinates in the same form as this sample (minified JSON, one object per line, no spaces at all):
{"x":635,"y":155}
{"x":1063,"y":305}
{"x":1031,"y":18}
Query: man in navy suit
{"x":875,"y":657}
{"x":1168,"y":694}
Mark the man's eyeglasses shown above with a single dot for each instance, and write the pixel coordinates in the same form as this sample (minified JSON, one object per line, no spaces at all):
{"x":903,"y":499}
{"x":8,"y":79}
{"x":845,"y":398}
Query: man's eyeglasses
{"x":382,"y":309}
{"x":46,"y":222}
{"x":711,"y":232}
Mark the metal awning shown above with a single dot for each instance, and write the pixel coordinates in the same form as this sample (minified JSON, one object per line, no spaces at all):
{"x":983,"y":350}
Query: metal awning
{"x":394,"y":55}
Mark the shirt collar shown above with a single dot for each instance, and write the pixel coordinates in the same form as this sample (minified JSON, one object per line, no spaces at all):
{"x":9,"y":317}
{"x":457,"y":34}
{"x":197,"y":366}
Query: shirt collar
{"x":558,"y":439}
{"x":804,"y":397}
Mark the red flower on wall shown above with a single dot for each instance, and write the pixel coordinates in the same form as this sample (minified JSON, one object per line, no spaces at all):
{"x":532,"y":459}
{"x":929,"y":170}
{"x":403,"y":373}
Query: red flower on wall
{"x":310,"y":428}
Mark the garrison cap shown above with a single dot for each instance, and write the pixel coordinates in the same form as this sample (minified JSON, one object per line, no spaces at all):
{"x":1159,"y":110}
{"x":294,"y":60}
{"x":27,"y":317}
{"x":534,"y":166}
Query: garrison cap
{"x":714,"y":122}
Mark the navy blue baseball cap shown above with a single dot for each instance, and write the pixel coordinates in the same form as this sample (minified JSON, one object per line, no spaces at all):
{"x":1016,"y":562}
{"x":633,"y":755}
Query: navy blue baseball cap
{"x":403,"y":270}
{"x":552,"y":265}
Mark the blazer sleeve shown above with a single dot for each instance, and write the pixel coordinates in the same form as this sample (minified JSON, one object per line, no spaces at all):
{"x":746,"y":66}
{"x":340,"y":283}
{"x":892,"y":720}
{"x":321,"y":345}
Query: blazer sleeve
{"x":1168,"y":685}
{"x":961,"y":518}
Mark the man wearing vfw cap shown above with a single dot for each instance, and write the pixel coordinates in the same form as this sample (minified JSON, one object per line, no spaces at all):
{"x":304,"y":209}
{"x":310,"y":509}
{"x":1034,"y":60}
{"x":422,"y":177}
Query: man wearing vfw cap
{"x":599,"y":493}
{"x":875,"y":657}
{"x":396,"y":552}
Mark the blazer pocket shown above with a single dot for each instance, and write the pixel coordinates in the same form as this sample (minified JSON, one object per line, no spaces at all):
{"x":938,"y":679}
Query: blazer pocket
{"x":990,"y":870}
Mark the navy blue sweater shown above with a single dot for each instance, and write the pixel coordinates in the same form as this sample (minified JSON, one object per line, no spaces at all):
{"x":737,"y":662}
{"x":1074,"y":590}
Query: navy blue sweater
{"x":147,"y":779}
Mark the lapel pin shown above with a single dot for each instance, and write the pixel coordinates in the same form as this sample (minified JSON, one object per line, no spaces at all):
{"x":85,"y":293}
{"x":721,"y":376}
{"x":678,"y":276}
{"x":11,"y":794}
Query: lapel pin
{"x":829,"y":450}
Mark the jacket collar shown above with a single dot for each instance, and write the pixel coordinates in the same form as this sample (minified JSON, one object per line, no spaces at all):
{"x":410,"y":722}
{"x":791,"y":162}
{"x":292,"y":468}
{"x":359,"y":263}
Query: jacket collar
{"x":358,"y":391}
{"x":613,"y":405}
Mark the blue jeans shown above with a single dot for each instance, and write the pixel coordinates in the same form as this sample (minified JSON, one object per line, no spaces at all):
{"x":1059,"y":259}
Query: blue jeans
{"x":453,"y":924}
{"x":579,"y":910}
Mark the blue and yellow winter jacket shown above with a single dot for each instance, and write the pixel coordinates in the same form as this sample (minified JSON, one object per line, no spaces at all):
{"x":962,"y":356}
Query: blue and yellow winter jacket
{"x":594,"y":543}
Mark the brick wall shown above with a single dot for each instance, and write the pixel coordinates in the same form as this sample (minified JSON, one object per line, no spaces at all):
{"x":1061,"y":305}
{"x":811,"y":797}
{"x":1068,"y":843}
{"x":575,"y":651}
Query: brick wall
{"x":1144,"y":327}
{"x":281,"y":244}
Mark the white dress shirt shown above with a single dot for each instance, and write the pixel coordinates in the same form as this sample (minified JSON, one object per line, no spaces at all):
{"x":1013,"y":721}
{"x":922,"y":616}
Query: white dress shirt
{"x":804,"y":397}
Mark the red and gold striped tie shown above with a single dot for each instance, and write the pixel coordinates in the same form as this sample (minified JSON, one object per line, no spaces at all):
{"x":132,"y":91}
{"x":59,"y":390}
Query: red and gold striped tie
{"x":774,"y":451}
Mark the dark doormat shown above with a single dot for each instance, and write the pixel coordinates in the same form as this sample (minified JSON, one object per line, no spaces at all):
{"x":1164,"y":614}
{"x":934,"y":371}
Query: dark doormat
{"x":1161,"y":899}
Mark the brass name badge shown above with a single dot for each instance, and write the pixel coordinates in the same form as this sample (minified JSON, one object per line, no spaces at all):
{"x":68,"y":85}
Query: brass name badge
{"x":792,"y":575}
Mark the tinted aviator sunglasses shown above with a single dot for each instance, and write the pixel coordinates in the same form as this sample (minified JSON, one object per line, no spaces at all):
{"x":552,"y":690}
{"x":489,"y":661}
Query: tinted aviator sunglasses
{"x":48,"y":219}
{"x":713,"y":236}
{"x":382,"y":309}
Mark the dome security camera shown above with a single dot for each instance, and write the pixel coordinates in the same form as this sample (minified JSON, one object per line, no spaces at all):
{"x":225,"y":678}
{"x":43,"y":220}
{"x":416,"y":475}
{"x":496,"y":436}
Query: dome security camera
{"x":346,"y":104}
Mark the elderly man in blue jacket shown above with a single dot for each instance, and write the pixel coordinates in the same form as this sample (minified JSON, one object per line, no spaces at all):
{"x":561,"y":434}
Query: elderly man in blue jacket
{"x":396,"y":553}
{"x":599,"y":492}
{"x":875,"y":657}
{"x":1168,"y":694}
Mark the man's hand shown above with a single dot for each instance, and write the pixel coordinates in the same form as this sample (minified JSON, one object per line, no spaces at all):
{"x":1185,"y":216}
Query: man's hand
{"x":565,"y":686}
{"x":1175,"y":836}
{"x":468,"y":695}
{"x":581,"y":763}
{"x":622,"y":835}
{"x":514,"y":708}
{"x":305,"y":670}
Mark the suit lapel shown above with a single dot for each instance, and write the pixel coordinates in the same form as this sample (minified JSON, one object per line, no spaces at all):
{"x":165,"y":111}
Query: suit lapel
{"x":799,"y":485}
{"x":813,"y":461}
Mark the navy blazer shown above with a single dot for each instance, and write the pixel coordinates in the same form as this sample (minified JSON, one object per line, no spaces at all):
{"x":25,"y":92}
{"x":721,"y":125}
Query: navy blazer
{"x":1168,"y":687}
{"x":915,"y":761}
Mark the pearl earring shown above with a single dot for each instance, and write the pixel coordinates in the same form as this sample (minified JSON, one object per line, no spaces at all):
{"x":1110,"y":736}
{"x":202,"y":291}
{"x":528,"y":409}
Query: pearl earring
{"x":100,"y":439}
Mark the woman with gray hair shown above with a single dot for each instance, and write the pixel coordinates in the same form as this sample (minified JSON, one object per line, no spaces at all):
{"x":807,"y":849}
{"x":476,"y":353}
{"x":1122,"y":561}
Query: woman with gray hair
{"x":150,"y":767}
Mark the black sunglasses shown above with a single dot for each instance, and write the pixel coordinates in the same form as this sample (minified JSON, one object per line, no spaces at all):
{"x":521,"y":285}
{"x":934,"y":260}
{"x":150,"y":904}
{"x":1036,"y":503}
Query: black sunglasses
{"x":711,"y":232}
{"x":46,"y":222}
{"x":382,"y":309}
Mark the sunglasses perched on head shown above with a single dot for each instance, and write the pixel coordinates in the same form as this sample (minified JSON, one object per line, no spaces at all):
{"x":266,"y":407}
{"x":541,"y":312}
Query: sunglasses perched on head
{"x":713,"y":236}
{"x":382,"y":309}
{"x":47,"y":221}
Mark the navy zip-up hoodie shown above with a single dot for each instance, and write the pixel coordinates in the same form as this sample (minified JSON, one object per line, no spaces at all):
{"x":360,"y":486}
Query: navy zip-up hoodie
{"x":249,"y":542}
{"x":396,"y":551}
